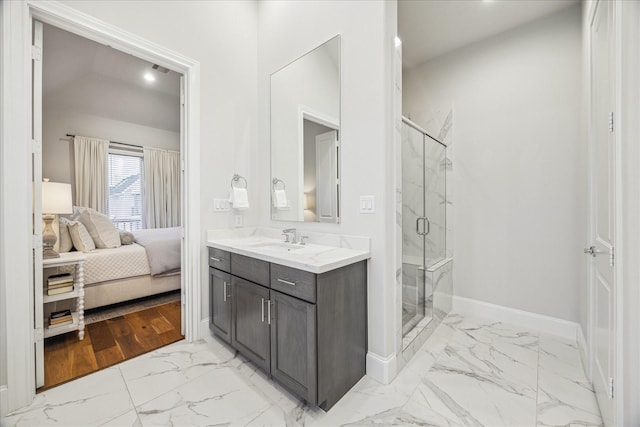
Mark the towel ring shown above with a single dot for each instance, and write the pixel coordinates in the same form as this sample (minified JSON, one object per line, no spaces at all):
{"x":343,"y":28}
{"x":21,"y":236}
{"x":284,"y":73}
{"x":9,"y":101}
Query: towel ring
{"x":237,"y":178}
{"x":277,"y":181}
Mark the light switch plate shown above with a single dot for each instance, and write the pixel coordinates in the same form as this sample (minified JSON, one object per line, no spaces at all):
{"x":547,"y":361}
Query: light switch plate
{"x":367,"y":204}
{"x":221,"y":205}
{"x":237,"y":221}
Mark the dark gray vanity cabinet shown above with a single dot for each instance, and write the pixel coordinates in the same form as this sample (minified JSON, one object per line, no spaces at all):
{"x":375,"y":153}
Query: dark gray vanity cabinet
{"x":293,"y":344}
{"x":307,"y":331}
{"x":220,"y":307}
{"x":251,"y":323}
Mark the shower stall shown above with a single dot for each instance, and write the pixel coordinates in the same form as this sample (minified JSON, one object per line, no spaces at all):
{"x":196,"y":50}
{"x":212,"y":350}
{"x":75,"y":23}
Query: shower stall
{"x":424,"y":205}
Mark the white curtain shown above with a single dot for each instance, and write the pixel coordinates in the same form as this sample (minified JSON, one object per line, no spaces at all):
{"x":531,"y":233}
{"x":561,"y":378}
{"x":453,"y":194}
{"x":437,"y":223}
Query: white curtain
{"x":90,"y":160}
{"x":161,"y":188}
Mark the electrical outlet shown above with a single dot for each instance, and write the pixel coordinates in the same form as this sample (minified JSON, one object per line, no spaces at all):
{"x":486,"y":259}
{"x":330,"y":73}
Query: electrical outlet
{"x":238,"y":221}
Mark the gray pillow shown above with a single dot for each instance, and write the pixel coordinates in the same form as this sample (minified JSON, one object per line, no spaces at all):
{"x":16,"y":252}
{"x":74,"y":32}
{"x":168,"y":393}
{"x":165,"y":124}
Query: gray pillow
{"x":127,"y":238}
{"x":66,"y":244}
{"x":81,"y":238}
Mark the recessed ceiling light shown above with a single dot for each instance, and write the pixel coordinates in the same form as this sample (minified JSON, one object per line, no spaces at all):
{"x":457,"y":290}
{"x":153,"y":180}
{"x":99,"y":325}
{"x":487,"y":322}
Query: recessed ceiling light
{"x":149,"y":77}
{"x":487,"y":1}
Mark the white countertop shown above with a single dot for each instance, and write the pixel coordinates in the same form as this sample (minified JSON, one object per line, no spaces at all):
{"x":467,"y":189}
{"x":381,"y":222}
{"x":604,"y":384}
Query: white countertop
{"x":311,"y":257}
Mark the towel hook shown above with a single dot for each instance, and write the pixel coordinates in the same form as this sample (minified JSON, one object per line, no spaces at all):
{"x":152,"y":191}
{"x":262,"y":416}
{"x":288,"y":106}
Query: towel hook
{"x":277,"y":181}
{"x":237,"y":178}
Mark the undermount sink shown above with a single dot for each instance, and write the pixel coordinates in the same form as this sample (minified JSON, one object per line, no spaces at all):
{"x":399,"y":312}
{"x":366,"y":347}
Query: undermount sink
{"x":277,"y":247}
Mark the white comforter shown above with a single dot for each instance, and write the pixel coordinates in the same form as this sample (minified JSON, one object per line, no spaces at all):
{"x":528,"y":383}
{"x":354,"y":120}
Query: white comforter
{"x":118,"y":263}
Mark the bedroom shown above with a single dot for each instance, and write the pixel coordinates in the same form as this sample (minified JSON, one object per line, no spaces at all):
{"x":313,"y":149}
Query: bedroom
{"x":127,"y":110}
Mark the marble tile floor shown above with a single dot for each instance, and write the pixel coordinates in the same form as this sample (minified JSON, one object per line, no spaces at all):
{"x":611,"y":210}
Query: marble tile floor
{"x":471,"y":371}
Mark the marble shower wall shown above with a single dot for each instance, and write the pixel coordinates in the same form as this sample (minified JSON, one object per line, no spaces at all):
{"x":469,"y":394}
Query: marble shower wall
{"x":437,"y":121}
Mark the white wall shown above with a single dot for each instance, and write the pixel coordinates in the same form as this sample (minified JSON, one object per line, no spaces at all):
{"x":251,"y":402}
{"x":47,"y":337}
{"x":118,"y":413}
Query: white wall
{"x":367,"y":29}
{"x":57,"y":149}
{"x":519,"y":163}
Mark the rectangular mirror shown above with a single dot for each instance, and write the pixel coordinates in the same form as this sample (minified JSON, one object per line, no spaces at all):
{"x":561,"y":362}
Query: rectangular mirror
{"x":305,"y":137}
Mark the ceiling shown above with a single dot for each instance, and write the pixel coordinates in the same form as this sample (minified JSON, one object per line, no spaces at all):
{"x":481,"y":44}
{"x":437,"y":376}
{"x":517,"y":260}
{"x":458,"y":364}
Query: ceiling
{"x":430,"y":28}
{"x":83,"y":75}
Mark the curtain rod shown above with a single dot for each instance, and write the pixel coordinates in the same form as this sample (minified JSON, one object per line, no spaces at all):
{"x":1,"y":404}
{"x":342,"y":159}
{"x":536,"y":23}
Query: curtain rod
{"x":114,"y":142}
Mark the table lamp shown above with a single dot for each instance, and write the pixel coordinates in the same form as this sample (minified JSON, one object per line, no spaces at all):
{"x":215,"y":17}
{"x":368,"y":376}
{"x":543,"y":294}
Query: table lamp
{"x":56,"y":199}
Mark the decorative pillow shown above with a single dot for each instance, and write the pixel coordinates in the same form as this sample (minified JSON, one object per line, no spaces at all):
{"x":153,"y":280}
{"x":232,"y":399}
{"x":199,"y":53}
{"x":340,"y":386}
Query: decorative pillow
{"x":104,"y":234}
{"x":66,"y":244}
{"x":81,"y":238}
{"x":127,"y":238}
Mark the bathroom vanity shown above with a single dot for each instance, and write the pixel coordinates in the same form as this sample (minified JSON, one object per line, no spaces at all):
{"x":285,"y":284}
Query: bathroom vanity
{"x":298,"y":312}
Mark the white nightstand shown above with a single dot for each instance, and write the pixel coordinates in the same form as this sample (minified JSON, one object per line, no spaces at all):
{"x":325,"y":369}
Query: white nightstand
{"x":75,"y":259}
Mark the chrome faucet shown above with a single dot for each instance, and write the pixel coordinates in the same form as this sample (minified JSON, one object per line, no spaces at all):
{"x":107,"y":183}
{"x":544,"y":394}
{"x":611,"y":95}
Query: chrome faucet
{"x":293,"y":232}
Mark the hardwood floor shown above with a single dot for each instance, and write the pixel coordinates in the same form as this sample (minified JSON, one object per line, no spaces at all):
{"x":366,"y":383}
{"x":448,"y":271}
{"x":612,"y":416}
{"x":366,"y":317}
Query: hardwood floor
{"x":109,"y":342}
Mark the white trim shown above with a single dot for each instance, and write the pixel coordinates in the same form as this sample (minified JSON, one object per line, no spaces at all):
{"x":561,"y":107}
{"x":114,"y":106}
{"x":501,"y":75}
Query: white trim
{"x":381,"y":369}
{"x":16,"y":84}
{"x":538,"y":322}
{"x":583,"y":348}
{"x":204,"y":328}
{"x":4,"y":398}
{"x":15,"y":218}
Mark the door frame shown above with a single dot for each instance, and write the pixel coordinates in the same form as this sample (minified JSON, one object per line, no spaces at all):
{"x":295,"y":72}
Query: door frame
{"x":617,"y":306}
{"x":17,"y":18}
{"x":626,"y":107}
{"x":307,"y":113}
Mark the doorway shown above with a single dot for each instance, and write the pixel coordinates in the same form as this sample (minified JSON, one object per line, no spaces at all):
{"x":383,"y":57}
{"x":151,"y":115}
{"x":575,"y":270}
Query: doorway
{"x":113,"y":305}
{"x":78,"y":23}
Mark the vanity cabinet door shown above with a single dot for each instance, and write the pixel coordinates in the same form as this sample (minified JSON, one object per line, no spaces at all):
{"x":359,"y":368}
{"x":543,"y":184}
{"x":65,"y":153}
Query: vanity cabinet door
{"x":220,"y":304}
{"x":251,"y":322}
{"x":293,"y":344}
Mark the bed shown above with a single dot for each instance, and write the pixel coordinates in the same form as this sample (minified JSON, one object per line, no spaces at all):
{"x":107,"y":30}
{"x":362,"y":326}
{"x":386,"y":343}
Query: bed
{"x":148,"y":267}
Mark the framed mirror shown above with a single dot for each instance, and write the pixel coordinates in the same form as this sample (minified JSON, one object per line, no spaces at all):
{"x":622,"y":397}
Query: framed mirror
{"x":305,"y":137}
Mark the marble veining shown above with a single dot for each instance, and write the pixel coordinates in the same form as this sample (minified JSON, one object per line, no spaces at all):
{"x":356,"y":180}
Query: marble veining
{"x":470,"y":371}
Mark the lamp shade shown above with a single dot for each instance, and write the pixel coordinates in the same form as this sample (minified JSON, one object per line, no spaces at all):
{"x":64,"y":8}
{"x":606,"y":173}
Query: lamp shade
{"x":56,"y":198}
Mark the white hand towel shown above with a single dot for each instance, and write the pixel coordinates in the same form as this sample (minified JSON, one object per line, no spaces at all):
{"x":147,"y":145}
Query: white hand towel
{"x":280,"y":199}
{"x":239,"y":198}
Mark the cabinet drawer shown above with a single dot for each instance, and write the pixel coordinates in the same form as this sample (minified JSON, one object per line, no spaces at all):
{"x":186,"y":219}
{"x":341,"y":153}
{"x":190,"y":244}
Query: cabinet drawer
{"x":219,"y":259}
{"x":254,"y":270}
{"x":294,"y":282}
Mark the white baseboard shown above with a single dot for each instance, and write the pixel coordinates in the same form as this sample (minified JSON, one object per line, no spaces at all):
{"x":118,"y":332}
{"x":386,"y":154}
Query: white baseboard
{"x":205,"y":332}
{"x":4,"y":395}
{"x":381,"y":369}
{"x":584,"y":355}
{"x":548,"y":325}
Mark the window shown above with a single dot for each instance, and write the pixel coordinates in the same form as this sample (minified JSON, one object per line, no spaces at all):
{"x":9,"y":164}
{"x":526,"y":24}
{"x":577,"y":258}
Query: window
{"x":125,"y":190}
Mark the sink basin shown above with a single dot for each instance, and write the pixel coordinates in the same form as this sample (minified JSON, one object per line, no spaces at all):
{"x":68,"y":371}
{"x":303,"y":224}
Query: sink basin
{"x":277,"y":247}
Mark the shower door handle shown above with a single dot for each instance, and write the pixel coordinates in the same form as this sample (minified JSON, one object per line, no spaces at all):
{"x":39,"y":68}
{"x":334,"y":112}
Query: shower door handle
{"x":427,"y":226}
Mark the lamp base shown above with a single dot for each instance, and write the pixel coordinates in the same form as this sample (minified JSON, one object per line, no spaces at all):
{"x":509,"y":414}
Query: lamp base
{"x":48,"y":252}
{"x":49,"y":238}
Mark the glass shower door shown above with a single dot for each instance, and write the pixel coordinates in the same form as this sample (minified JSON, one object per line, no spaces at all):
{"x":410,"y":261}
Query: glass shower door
{"x":413,"y":238}
{"x":423,"y":221}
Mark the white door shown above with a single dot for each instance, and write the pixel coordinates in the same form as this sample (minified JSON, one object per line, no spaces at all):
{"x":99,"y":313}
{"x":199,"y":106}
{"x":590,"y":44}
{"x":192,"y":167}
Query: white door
{"x":36,"y":168}
{"x":603,"y":197}
{"x":327,"y":176}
